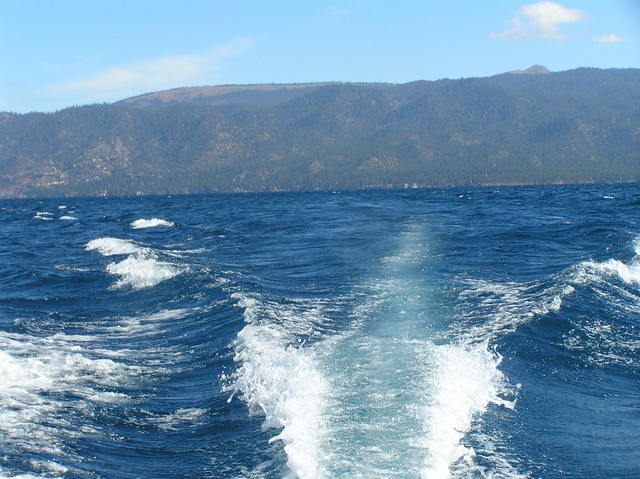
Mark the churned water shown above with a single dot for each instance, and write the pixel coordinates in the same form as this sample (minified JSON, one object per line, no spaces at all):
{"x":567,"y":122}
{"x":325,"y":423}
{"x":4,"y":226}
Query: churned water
{"x":457,"y":333}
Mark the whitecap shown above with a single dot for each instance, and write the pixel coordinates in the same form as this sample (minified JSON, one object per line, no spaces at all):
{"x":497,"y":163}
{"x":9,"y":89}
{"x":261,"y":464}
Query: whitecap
{"x":281,"y":381}
{"x":36,"y":373}
{"x":150,"y":223}
{"x":141,"y":268}
{"x":138,"y":272}
{"x":593,"y":271}
{"x":113,"y":246}
{"x":43,"y":215}
{"x":465,"y":382}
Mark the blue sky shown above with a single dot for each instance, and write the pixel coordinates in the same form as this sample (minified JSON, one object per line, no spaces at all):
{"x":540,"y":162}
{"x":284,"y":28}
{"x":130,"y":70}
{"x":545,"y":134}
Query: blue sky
{"x":60,"y":53}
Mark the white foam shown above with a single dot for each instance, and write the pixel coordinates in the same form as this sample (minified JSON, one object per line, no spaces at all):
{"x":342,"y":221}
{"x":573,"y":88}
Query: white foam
{"x":150,"y":223}
{"x":172,"y":422}
{"x":601,"y":342}
{"x":281,"y":382}
{"x":145,"y":324}
{"x":113,"y":246}
{"x":141,"y":269}
{"x":66,"y":267}
{"x":43,"y":215}
{"x":465,"y":382}
{"x":35,"y":373}
{"x":49,"y":466}
{"x":137,"y":272}
{"x":629,"y":273}
{"x":401,"y":407}
{"x":506,"y":305}
{"x":27,"y":476}
{"x":593,"y":271}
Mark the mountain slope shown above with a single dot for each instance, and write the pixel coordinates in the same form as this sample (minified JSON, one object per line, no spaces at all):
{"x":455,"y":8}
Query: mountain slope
{"x":576,"y":126}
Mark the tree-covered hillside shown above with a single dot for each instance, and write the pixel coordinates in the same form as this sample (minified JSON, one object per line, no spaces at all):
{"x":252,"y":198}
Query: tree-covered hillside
{"x":576,"y":126}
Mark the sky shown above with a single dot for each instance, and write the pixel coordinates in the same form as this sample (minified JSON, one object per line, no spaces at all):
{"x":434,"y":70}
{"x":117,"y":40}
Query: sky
{"x":56,"y":54}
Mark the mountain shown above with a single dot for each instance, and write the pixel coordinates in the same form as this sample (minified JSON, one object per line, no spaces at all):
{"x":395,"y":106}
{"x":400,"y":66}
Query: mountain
{"x":533,"y":70}
{"x":564,"y":127}
{"x":268,"y":94}
{"x":265,"y":94}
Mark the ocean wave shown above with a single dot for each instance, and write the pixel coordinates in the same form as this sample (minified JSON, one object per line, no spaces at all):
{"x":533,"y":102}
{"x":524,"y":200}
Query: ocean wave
{"x":114,"y":246}
{"x":151,"y":223}
{"x":611,"y":285}
{"x":448,"y":383}
{"x":488,"y":310}
{"x":139,"y":273}
{"x":43,"y":215}
{"x":141,"y":269}
{"x":280,"y":380}
{"x":28,"y":476}
{"x":146,"y":324}
{"x":593,"y":271}
{"x":403,"y":388}
{"x":590,"y":271}
{"x":614,"y":286}
{"x":48,"y":384}
{"x":465,"y":381}
{"x":181,"y":417}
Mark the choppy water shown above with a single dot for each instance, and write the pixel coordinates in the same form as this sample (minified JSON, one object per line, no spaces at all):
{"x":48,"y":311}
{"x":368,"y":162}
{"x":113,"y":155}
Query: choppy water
{"x":483,"y":333}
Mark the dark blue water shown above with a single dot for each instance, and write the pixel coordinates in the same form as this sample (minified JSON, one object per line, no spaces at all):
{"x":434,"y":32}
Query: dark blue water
{"x":481,"y":333}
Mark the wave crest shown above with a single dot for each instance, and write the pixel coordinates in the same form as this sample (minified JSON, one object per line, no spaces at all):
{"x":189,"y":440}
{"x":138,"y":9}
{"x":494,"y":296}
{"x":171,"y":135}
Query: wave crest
{"x":141,"y":269}
{"x":150,"y":223}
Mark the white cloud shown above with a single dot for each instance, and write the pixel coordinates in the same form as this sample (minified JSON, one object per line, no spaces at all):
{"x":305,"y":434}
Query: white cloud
{"x":609,"y":38}
{"x":541,"y":20}
{"x":157,"y":74}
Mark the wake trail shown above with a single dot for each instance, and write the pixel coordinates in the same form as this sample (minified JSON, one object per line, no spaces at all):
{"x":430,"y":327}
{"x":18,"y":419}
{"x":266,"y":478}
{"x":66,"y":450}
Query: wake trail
{"x":386,"y":398}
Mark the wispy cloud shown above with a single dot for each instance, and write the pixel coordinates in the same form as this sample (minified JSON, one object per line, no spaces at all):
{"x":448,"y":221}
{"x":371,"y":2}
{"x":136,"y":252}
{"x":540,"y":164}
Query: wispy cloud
{"x":155,"y":74}
{"x":541,"y":20}
{"x":609,"y":38}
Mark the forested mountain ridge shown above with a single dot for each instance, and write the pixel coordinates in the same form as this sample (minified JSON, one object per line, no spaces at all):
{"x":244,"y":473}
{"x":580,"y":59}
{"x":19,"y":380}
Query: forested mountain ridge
{"x":568,"y":127}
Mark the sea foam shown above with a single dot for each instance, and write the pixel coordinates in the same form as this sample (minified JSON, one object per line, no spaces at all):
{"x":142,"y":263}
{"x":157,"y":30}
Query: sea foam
{"x":281,"y":381}
{"x":113,"y":246}
{"x":43,"y":215}
{"x":590,"y":272}
{"x":629,"y":273}
{"x":141,"y":269}
{"x":36,"y":374}
{"x":465,"y":382}
{"x":150,"y":223}
{"x":140,"y":273}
